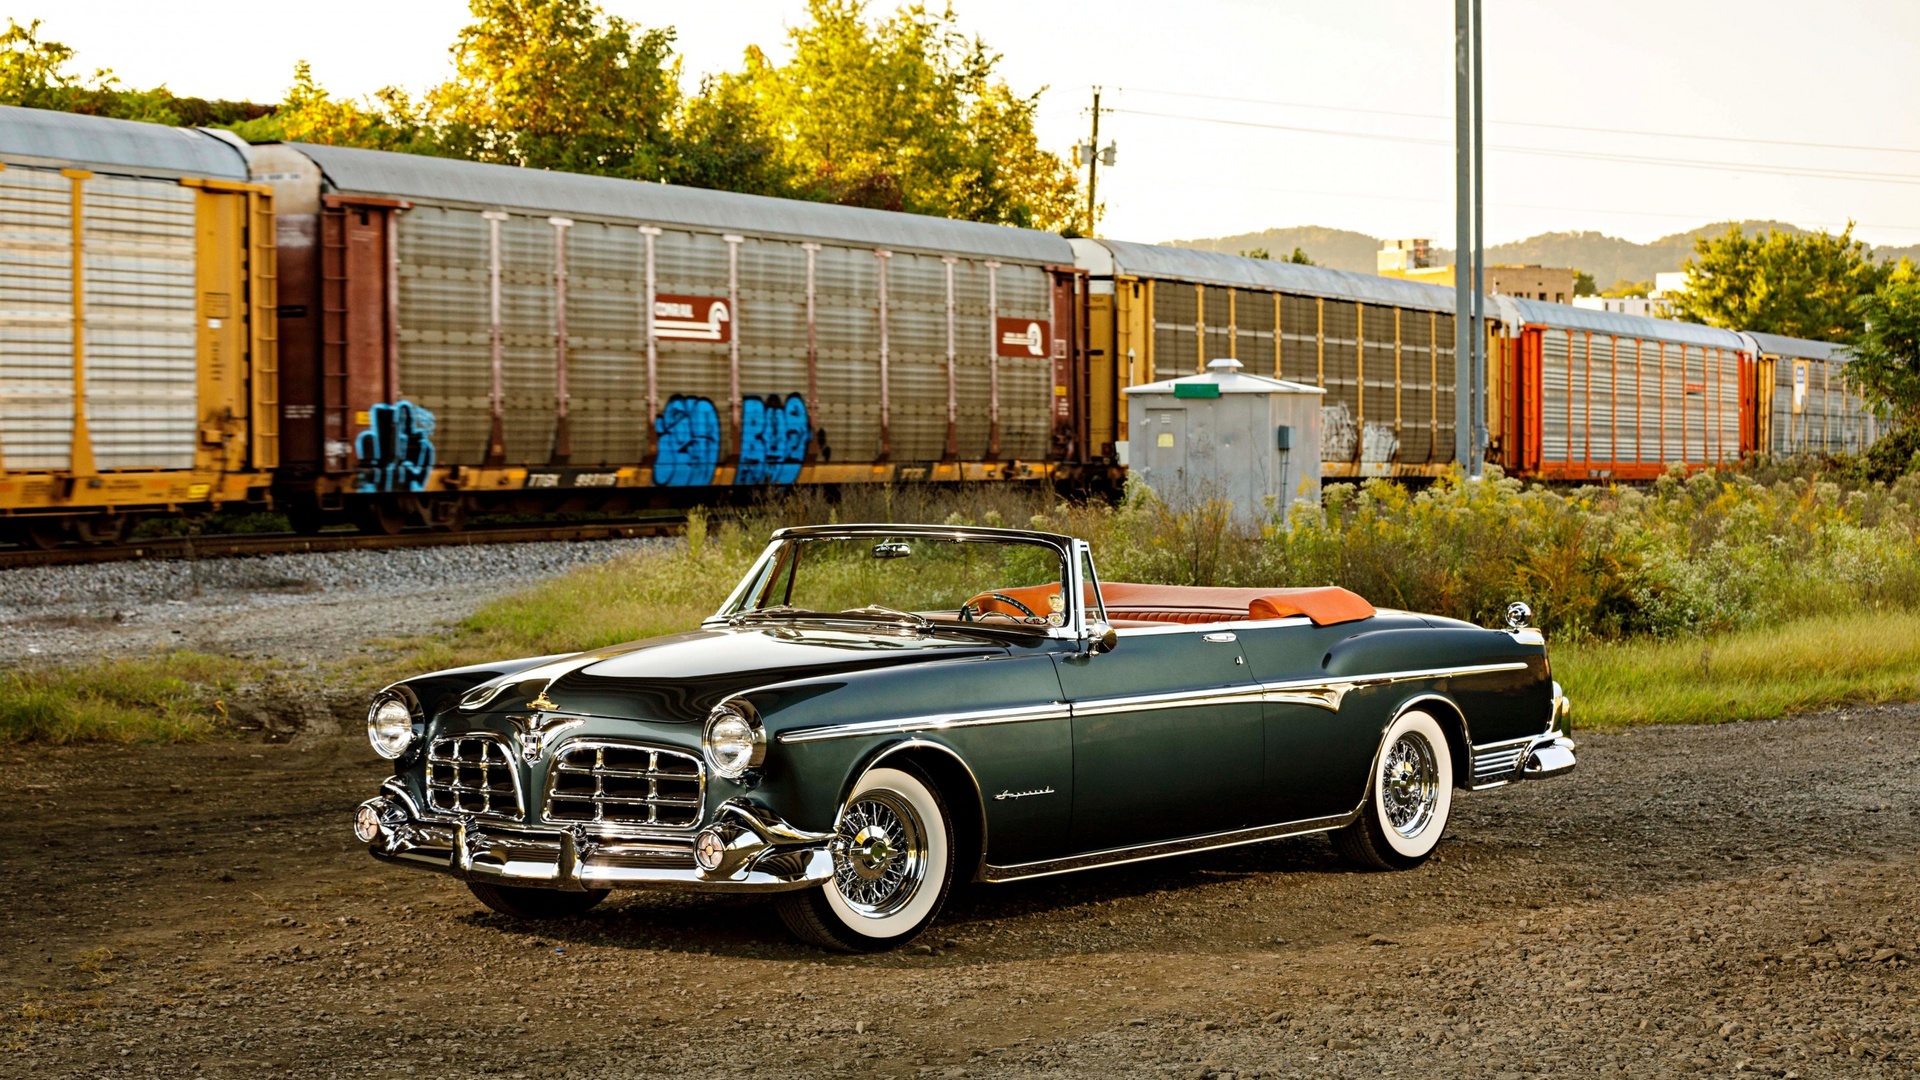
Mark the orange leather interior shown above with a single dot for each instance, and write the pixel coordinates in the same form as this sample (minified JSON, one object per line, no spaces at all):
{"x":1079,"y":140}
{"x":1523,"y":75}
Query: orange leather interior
{"x":1129,"y":604}
{"x":1325,"y":605}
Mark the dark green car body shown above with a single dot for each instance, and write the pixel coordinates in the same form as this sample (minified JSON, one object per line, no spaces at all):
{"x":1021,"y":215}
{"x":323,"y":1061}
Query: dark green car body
{"x":1056,"y":750}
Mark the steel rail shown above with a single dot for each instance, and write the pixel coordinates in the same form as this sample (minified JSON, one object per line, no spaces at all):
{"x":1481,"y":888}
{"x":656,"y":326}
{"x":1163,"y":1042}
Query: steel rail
{"x":214,"y":547}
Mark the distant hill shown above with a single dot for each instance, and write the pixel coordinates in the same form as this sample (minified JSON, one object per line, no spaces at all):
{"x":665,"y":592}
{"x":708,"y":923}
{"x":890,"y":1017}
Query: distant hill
{"x":1607,"y":258}
{"x":1337,"y":248}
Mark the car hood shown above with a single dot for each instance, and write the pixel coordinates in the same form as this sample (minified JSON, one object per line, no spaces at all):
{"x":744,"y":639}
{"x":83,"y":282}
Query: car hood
{"x":680,"y":678}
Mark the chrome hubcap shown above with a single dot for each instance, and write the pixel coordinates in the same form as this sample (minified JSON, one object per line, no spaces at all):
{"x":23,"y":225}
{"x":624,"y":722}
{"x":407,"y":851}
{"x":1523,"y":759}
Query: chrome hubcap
{"x":1410,"y":784}
{"x":880,"y":857}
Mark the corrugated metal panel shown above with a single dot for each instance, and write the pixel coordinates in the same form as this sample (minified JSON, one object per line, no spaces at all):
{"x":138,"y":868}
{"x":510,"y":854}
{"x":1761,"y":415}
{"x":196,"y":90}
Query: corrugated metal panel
{"x":137,"y":248}
{"x":1832,"y":417}
{"x":1213,"y":268}
{"x":409,"y":176}
{"x":36,"y":319}
{"x":36,"y":136}
{"x":445,"y":352}
{"x":1622,"y":399}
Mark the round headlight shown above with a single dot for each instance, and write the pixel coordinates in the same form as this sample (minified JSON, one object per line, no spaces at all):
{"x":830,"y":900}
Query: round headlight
{"x":734,"y":742}
{"x":390,"y":727}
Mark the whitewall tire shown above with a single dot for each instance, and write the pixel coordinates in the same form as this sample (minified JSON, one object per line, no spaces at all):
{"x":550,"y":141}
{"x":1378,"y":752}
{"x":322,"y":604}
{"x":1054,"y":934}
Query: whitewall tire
{"x":893,"y":867}
{"x":1409,"y":797}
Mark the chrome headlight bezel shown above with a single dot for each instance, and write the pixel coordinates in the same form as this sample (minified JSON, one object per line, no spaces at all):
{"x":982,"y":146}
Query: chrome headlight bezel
{"x":392,"y":725}
{"x":734,"y":742}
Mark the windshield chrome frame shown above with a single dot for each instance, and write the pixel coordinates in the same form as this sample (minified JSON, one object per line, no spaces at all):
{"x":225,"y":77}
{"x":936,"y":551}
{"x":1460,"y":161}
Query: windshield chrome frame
{"x":1068,"y":549}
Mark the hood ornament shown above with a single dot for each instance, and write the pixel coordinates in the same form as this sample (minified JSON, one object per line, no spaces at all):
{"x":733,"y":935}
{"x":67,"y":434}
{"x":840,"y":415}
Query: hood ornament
{"x":542,"y":702}
{"x":536,"y":731}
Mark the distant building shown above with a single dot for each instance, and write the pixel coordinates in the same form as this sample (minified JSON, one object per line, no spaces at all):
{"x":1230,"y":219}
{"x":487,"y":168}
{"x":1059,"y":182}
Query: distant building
{"x":1626,"y":305}
{"x":1412,"y":259}
{"x":1669,"y":284}
{"x":1399,"y":256}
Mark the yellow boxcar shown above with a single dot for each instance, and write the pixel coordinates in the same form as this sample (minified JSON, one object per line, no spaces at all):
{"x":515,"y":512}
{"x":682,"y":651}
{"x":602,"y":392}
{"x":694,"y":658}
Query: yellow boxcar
{"x":137,"y":313}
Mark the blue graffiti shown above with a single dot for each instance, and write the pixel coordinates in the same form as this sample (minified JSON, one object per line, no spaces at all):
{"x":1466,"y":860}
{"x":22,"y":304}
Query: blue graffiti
{"x":396,"y":450}
{"x":774,"y":433}
{"x":689,"y":443}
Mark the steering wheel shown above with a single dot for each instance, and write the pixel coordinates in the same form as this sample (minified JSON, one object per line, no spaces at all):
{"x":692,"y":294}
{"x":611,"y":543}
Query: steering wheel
{"x":967,"y":612}
{"x":1011,"y":602}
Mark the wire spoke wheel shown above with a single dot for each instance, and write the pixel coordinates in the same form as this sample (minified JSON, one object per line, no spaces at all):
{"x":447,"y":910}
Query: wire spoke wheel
{"x":1409,"y":784}
{"x":880,"y":856}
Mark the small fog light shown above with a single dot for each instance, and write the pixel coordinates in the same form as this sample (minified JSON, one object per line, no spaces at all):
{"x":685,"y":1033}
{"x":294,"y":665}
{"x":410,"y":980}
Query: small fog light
{"x":366,"y":823}
{"x":709,"y":849}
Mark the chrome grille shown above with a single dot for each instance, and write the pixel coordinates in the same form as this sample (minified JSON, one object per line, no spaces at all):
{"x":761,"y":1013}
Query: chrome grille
{"x":622,"y":784}
{"x":1498,"y":762}
{"x":473,"y":774}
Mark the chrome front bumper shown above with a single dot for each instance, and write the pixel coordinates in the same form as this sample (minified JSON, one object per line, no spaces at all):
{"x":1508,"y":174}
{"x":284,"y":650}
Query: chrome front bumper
{"x":760,"y":853}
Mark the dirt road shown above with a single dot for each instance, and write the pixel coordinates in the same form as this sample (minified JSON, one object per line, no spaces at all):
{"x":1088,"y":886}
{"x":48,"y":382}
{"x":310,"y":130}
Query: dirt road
{"x":1742,"y":898}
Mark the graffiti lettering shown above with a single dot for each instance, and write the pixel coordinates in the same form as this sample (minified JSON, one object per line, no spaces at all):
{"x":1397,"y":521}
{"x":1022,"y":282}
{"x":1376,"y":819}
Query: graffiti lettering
{"x":689,"y":431}
{"x":773,"y":439}
{"x":396,"y":450}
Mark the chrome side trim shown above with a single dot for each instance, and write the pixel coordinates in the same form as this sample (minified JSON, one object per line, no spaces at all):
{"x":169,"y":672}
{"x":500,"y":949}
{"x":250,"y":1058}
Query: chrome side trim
{"x":934,"y":722}
{"x":1177,"y":699}
{"x":1328,"y":694}
{"x":1193,"y":628}
{"x":1143,"y":852}
{"x":1321,"y":693}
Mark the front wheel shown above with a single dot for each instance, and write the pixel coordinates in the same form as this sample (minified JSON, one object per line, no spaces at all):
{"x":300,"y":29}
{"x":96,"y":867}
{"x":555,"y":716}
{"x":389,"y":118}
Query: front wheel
{"x":892,"y":867}
{"x":1408,"y":800}
{"x":520,"y":902}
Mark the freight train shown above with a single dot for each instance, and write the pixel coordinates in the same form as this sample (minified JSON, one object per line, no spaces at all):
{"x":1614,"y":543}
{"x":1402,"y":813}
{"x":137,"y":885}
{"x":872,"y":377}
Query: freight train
{"x":189,"y":322}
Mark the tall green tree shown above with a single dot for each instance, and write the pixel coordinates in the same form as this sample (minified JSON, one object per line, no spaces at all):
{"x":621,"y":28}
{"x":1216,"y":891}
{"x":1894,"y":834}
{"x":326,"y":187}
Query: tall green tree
{"x":560,"y":84}
{"x":1886,"y":352}
{"x":389,"y":120}
{"x":903,"y":113}
{"x":34,"y":72}
{"x":1779,"y":283}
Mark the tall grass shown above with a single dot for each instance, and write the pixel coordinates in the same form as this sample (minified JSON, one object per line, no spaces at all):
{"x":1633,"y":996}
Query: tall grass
{"x":168,"y":698}
{"x":1754,"y":674}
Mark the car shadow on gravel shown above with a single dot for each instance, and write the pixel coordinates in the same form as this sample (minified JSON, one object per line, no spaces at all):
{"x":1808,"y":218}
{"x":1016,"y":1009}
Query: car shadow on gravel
{"x":750,"y":927}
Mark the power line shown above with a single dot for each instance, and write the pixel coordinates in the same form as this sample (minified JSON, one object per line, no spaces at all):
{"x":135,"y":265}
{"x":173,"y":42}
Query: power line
{"x":1531,"y":124}
{"x":1715,"y":216}
{"x":1582,"y":155}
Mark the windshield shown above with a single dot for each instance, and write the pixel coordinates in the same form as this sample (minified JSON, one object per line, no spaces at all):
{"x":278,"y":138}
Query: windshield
{"x":908,"y":579}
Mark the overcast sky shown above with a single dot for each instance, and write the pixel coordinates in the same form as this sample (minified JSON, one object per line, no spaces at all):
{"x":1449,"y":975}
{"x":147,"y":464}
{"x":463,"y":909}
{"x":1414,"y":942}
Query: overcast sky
{"x":1341,"y":111}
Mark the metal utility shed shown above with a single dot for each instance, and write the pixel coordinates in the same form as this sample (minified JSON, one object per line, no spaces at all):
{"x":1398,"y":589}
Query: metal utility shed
{"x":1248,"y":439}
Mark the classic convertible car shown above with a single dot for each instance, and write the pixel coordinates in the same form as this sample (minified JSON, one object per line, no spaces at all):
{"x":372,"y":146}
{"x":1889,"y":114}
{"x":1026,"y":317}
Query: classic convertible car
{"x":879,"y":711}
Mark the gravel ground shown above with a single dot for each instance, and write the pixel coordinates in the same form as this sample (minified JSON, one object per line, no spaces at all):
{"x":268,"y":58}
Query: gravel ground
{"x":284,"y":606}
{"x":1734,"y":899}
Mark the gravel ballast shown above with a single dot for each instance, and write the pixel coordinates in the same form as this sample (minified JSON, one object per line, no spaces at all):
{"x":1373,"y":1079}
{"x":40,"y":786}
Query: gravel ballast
{"x":288,"y":606}
{"x":1731,"y":900}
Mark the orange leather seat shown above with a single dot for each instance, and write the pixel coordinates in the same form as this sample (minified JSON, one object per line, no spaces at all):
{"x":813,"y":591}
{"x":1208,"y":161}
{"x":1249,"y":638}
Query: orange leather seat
{"x":1130,"y":604}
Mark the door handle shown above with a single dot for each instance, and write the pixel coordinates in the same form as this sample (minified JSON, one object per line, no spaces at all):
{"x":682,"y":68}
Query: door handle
{"x":1219,"y":638}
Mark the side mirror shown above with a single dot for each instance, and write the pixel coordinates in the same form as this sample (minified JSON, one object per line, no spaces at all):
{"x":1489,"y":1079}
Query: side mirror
{"x":1101,"y":638}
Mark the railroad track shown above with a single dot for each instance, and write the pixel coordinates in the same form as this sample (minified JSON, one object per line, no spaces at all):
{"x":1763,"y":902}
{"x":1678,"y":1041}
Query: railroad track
{"x":213,"y":547}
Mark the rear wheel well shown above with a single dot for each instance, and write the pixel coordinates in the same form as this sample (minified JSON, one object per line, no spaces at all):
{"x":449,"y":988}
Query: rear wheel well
{"x":959,"y":790}
{"x":1455,"y":726}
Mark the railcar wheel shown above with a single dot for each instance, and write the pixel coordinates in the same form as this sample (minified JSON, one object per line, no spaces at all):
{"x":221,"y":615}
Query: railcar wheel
{"x":893,"y":867}
{"x":523,"y":903}
{"x":1408,"y":800}
{"x":382,"y":517}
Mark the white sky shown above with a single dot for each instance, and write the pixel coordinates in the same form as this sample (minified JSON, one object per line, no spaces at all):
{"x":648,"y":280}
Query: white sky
{"x":1837,"y":72}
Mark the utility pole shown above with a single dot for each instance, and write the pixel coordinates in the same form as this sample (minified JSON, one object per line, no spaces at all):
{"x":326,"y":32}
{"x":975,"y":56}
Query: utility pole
{"x":1469,"y":336}
{"x":1093,"y":161}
